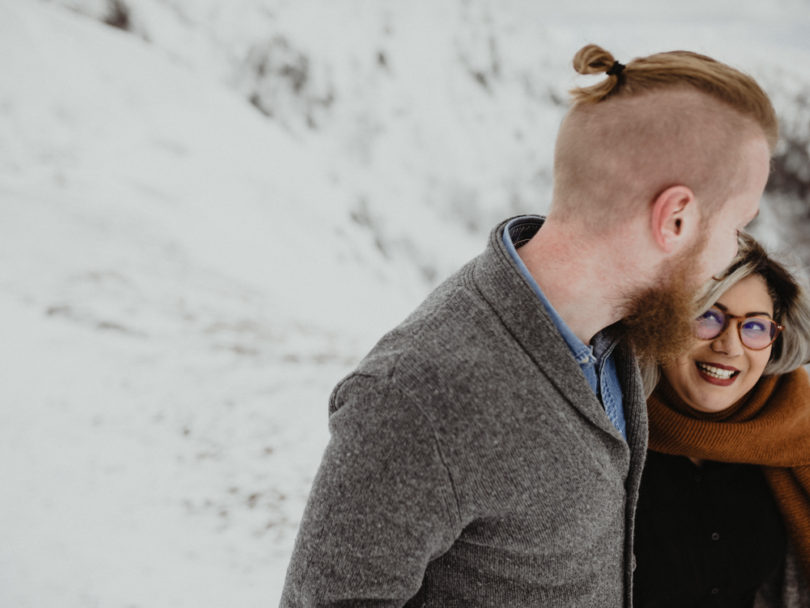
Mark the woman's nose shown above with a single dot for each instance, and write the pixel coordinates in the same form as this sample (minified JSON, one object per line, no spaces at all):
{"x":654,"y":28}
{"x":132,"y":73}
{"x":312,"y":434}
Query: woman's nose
{"x":728,"y":343}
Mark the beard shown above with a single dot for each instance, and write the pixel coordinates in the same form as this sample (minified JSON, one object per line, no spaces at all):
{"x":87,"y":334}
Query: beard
{"x":659,"y":319}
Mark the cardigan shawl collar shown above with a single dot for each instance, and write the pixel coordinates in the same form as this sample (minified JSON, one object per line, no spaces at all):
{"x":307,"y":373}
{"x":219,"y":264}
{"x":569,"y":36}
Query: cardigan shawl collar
{"x":511,"y":297}
{"x":508,"y":293}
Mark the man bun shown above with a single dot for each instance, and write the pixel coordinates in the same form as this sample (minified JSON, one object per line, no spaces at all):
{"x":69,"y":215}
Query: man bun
{"x":675,"y":70}
{"x":593,"y":59}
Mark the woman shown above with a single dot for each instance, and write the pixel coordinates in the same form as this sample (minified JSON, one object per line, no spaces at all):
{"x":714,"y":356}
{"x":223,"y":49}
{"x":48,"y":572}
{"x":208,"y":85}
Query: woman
{"x":723,"y":516}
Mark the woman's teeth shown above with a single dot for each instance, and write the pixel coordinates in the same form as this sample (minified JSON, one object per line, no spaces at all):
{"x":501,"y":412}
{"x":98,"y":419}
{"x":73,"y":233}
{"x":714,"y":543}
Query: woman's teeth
{"x":716,"y":372}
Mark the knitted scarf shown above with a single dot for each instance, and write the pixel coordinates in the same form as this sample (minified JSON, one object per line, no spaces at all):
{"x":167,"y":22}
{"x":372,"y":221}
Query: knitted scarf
{"x":769,"y":427}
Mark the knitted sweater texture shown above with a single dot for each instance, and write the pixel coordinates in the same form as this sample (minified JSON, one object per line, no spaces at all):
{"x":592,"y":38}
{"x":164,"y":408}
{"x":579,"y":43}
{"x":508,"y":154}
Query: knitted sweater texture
{"x":470,"y":464}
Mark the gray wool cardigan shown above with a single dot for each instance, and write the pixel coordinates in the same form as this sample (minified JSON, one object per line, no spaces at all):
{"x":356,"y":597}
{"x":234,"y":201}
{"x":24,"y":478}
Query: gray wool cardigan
{"x":470,"y":463}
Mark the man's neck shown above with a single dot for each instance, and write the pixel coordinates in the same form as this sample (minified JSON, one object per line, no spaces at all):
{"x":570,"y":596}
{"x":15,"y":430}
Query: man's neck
{"x":586,"y":283}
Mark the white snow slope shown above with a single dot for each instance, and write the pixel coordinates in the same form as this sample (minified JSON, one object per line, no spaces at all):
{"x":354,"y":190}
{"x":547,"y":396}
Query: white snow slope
{"x":207,"y":220}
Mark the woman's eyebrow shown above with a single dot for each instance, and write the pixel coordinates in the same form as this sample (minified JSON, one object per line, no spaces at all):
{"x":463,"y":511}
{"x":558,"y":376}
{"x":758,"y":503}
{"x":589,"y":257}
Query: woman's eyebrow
{"x":748,"y":314}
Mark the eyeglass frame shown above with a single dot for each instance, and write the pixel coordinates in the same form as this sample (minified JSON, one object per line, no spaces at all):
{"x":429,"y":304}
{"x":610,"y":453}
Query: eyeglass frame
{"x":727,"y":321}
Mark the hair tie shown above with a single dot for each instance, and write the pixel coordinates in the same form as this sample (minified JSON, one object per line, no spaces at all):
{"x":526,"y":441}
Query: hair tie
{"x":616,"y":69}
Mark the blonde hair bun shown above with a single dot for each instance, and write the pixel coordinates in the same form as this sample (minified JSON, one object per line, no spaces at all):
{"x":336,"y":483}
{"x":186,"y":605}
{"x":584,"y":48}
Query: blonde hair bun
{"x":593,"y":59}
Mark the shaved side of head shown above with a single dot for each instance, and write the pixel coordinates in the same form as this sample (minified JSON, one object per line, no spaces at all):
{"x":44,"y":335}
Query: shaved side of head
{"x":612,"y":159}
{"x":676,"y":118}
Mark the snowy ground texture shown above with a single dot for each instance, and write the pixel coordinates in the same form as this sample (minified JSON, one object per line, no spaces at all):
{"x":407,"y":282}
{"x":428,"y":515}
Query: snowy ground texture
{"x":210,"y":212}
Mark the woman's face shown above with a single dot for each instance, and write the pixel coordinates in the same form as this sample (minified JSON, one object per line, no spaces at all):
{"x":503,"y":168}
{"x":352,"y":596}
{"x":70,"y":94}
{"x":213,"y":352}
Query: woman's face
{"x":716,"y":373}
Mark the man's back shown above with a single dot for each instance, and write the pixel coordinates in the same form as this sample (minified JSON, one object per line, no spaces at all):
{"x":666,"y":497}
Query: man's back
{"x":471,"y":464}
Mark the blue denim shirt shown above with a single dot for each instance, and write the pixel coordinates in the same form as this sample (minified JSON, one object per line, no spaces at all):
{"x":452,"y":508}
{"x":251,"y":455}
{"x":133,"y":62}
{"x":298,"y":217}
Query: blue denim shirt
{"x":597,"y":361}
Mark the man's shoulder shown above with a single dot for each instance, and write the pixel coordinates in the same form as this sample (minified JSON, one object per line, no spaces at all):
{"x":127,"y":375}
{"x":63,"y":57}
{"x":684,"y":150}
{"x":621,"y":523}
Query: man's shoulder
{"x":453,"y":326}
{"x":453,"y":351}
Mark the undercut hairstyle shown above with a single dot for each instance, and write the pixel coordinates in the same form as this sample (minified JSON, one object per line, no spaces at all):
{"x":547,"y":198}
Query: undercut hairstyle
{"x":673,"y":118}
{"x":791,"y":307}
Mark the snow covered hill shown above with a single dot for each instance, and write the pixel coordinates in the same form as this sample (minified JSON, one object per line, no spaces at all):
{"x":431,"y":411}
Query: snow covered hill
{"x":210,"y":212}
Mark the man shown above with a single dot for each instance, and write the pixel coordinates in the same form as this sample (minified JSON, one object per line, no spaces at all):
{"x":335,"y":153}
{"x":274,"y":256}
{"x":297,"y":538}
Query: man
{"x":487,"y":452}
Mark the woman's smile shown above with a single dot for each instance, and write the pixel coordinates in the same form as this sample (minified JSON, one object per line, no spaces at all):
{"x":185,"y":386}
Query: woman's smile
{"x":716,"y":373}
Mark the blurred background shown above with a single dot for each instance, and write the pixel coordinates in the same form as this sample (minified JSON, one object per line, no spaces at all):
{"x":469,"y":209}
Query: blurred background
{"x":210,"y":211}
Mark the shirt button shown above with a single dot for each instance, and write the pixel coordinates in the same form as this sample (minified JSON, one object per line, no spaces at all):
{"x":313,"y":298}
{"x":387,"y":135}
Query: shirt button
{"x":715,"y":536}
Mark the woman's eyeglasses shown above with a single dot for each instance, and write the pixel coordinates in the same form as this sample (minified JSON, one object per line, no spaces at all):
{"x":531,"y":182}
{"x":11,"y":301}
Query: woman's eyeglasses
{"x":756,"y":331}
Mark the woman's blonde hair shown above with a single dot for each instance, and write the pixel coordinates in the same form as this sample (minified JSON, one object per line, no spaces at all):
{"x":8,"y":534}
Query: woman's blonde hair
{"x":791,"y":308}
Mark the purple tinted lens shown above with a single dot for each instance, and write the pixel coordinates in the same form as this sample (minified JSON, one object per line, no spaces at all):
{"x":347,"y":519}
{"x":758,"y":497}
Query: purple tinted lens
{"x":757,"y":332}
{"x":709,"y":325}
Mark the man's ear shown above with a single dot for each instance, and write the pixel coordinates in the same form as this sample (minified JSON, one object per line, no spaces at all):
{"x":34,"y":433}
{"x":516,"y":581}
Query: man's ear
{"x":674,"y":218}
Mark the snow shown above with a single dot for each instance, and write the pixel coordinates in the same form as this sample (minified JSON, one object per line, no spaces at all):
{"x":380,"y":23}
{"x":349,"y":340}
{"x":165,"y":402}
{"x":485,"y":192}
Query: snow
{"x":184,"y":274}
